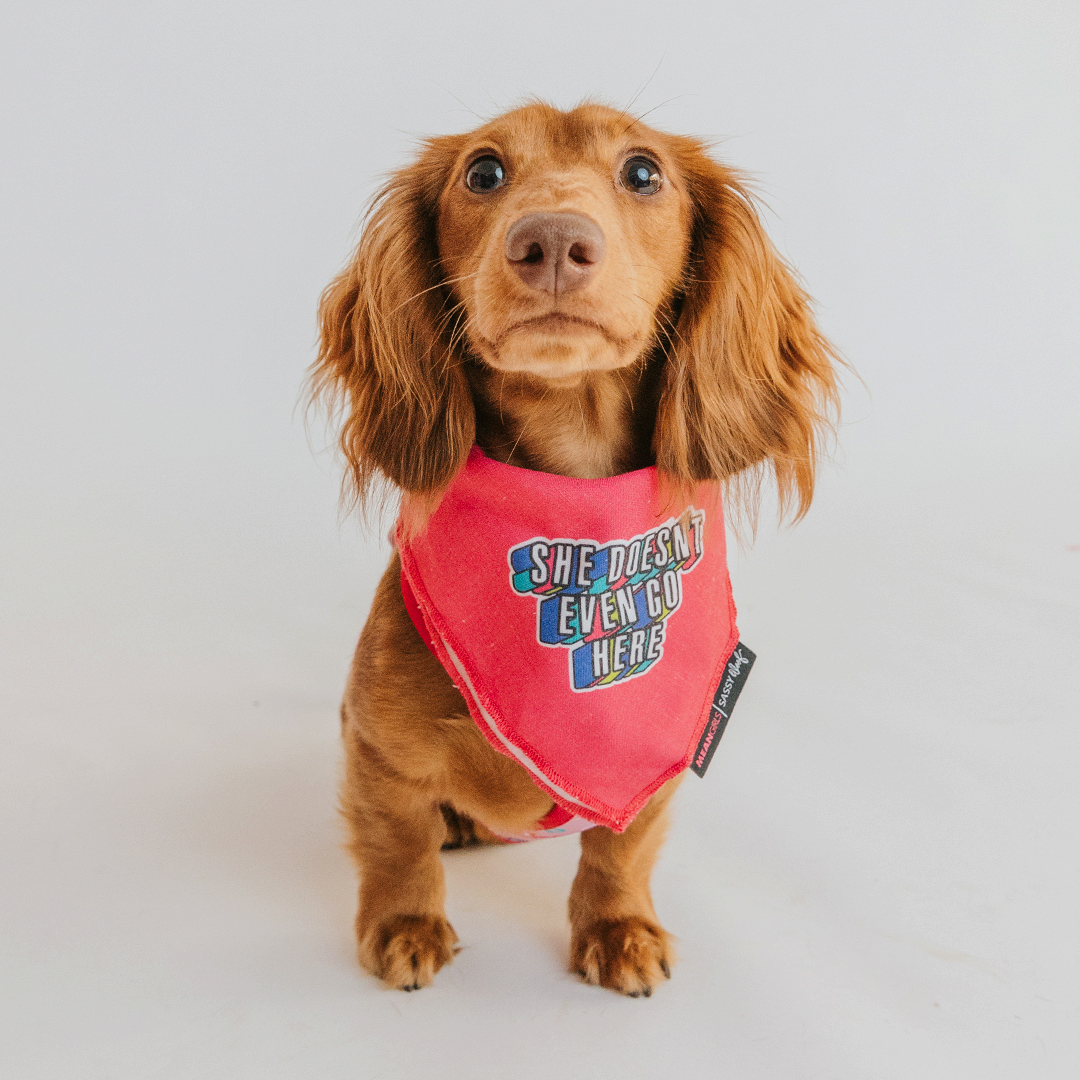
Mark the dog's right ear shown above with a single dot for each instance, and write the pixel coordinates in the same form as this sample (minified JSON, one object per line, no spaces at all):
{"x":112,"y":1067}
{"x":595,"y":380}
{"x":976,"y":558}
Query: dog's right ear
{"x":387,"y":355}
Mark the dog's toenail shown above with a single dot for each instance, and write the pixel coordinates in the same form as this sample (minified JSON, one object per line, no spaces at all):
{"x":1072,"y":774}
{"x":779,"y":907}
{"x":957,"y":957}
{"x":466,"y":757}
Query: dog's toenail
{"x":665,"y":969}
{"x":647,"y":992}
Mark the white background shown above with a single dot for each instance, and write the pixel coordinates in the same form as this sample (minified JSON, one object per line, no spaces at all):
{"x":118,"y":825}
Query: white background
{"x":878,"y":877}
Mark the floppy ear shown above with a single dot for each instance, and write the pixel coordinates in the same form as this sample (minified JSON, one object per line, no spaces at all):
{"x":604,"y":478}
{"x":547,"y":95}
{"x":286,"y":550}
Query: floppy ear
{"x":749,"y":382}
{"x":387,"y":352}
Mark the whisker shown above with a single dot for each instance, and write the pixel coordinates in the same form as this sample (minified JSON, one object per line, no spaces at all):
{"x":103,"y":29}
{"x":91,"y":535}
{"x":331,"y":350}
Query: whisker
{"x":456,"y":337}
{"x":644,"y":86}
{"x":649,"y":112}
{"x":482,"y":119}
{"x":432,"y":288}
{"x":524,"y":427}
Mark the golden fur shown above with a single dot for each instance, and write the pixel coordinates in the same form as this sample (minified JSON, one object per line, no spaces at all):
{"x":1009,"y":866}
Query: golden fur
{"x":691,"y":347}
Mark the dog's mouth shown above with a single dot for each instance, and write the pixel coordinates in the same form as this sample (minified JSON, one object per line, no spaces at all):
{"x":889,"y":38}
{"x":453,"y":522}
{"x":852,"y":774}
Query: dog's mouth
{"x":555,"y":321}
{"x":550,"y":345}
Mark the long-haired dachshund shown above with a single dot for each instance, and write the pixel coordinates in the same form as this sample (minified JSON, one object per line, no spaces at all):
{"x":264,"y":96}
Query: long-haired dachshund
{"x":578,"y":294}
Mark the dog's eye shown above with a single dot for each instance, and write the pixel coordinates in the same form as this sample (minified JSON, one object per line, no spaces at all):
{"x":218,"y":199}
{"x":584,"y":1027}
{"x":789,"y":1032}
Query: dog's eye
{"x":485,"y":174}
{"x":641,"y":176}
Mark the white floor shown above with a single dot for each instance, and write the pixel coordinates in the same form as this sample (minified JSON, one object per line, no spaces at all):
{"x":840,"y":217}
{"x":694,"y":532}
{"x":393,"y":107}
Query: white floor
{"x":877,"y":878}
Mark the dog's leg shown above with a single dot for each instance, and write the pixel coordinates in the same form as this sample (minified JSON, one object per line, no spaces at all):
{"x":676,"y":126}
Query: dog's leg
{"x":616,"y":941}
{"x":397,"y":829}
{"x":463,"y":831}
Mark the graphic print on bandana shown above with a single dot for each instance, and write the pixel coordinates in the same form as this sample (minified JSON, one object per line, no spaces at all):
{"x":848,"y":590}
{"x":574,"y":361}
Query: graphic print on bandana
{"x":609,"y":604}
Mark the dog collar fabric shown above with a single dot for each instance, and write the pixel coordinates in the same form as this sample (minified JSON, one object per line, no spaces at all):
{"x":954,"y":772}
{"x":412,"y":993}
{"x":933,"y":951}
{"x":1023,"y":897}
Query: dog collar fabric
{"x":586,"y":623}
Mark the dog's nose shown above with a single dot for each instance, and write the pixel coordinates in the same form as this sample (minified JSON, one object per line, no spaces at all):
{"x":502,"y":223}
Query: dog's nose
{"x":555,"y":253}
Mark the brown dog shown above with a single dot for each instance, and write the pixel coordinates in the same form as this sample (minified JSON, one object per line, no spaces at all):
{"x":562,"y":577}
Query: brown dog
{"x":579,"y":294}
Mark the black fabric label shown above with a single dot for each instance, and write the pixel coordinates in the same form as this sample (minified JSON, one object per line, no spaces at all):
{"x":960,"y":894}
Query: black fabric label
{"x":736,"y":670}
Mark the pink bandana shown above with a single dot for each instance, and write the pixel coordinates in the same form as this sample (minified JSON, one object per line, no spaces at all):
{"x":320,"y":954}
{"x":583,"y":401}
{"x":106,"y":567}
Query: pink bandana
{"x":585,"y":622}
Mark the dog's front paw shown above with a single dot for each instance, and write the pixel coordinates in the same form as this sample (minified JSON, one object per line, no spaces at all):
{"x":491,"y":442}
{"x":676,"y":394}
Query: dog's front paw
{"x":630,"y":955}
{"x":406,"y":951}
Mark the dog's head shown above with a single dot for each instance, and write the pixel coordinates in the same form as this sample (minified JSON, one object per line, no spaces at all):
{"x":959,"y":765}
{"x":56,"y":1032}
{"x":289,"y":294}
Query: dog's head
{"x":556,"y":245}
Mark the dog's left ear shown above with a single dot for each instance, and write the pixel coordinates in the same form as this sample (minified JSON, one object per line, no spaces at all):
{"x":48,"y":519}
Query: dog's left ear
{"x":749,"y":379}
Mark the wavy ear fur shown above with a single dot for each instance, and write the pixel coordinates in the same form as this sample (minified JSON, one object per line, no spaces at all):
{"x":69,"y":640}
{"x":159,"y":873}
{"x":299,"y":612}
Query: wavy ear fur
{"x":388,"y":352}
{"x":749,"y":381}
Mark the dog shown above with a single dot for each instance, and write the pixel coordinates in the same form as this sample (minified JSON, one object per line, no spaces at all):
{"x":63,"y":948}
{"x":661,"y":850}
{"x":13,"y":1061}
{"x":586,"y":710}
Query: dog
{"x":574,"y":293}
